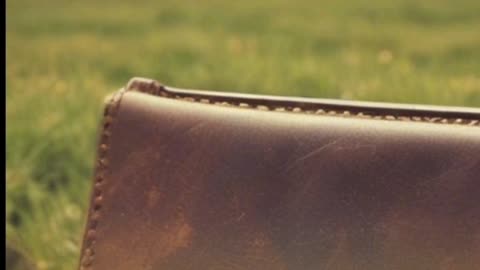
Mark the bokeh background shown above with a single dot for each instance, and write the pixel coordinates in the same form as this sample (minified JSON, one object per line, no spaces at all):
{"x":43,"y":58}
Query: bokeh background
{"x":64,"y":57}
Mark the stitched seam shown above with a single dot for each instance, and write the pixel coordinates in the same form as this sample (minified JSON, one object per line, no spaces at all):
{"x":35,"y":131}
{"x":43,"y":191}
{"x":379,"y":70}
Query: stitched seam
{"x":154,"y":88}
{"x":88,"y":253}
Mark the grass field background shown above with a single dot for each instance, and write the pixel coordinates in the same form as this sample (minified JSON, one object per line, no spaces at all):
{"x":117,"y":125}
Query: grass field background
{"x":64,"y":57}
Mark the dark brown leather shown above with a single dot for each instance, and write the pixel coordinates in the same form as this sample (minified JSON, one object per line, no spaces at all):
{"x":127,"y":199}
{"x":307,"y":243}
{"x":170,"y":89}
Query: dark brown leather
{"x":206,"y":180}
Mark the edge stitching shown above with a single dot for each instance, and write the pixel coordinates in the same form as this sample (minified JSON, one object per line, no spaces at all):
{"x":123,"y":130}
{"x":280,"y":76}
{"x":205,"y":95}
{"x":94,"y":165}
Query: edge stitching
{"x":155,"y":88}
{"x":101,"y":167}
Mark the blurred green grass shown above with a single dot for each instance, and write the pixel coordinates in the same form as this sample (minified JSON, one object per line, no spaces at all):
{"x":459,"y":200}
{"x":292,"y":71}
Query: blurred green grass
{"x":63,"y":57}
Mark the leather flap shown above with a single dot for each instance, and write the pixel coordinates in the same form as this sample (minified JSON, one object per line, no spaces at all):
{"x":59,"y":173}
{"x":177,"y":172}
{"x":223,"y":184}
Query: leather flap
{"x":202,"y":180}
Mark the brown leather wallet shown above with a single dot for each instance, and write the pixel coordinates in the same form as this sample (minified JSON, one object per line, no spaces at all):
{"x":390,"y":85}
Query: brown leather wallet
{"x":189,"y":179}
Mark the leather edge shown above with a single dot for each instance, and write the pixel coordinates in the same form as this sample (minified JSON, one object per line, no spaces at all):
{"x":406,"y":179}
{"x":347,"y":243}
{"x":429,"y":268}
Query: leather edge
{"x":362,"y":109}
{"x":87,"y":252}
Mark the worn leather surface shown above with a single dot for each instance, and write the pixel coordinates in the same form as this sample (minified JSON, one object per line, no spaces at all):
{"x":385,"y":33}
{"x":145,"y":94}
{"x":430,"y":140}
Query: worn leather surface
{"x":183,"y":182}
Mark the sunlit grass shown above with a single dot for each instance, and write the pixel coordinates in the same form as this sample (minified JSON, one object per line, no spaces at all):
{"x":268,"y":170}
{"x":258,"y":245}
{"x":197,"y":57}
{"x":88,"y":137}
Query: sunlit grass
{"x":63,"y":57}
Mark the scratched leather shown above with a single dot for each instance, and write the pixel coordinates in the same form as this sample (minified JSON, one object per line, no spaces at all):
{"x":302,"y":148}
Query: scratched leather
{"x":201,"y":186}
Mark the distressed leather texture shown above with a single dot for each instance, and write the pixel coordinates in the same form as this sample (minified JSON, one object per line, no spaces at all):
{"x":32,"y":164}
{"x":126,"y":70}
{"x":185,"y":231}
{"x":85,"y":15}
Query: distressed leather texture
{"x":190,"y":179}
